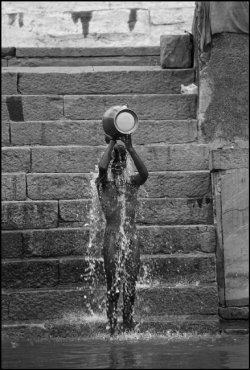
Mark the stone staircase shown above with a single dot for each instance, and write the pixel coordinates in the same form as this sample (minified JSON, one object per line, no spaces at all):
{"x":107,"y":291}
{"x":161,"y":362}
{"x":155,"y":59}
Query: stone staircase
{"x":52,"y":138}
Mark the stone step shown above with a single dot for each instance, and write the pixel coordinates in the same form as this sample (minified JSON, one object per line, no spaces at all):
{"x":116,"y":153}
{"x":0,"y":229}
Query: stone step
{"x":198,"y":268}
{"x":68,"y":132}
{"x":62,"y":242}
{"x":35,"y":57}
{"x":45,"y":304}
{"x":42,"y":186}
{"x":94,"y":80}
{"x":80,"y":325}
{"x":151,"y":211}
{"x":83,"y":159}
{"x":21,"y":108}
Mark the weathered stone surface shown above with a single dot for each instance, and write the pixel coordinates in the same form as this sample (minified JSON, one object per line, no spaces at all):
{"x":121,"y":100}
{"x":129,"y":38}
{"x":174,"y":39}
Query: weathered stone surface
{"x":176,"y":51}
{"x":4,"y":63}
{"x":234,"y":313}
{"x":225,"y":159}
{"x":84,"y":132}
{"x":29,"y":274}
{"x":177,"y":300}
{"x":58,"y":186}
{"x":150,"y":106}
{"x":13,"y":186}
{"x":32,"y":107}
{"x":99,"y":80}
{"x":174,"y":157}
{"x":235,"y":228}
{"x":177,"y":185}
{"x":224,"y":90}
{"x":150,"y":301}
{"x":176,"y":239}
{"x":15,"y":159}
{"x":77,"y":327}
{"x":172,"y":16}
{"x":179,"y":270}
{"x":5,"y":307}
{"x":28,"y":215}
{"x":165,"y":131}
{"x":148,"y":60}
{"x":156,"y":158}
{"x":4,"y":111}
{"x":65,"y":159}
{"x":54,"y":303}
{"x":65,"y":52}
{"x":74,"y":210}
{"x":164,"y":211}
{"x":11,"y":244}
{"x":81,"y":271}
{"x":231,"y":195}
{"x":55,"y":242}
{"x":5,"y":133}
{"x":8,"y":82}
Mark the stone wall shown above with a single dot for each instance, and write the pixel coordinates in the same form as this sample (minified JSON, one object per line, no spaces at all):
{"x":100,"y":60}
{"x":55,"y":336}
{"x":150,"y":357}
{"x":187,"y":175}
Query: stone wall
{"x":224,"y":91}
{"x":93,"y":23}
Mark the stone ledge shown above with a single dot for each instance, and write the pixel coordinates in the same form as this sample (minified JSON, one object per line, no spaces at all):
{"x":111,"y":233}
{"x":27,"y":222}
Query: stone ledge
{"x":225,"y":159}
{"x":81,"y":326}
{"x":85,"y":52}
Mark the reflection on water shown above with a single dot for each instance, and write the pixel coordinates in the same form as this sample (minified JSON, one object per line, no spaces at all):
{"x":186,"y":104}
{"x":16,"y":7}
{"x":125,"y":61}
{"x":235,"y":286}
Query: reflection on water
{"x":131,"y":352}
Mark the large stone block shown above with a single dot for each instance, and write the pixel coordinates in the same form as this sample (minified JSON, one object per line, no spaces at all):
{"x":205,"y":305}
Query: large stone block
{"x":177,"y":185}
{"x":8,"y":82}
{"x":174,"y":157}
{"x":151,"y":301}
{"x":29,"y":274}
{"x":224,"y":90}
{"x":57,"y":133}
{"x":67,"y":61}
{"x":55,"y":242}
{"x":172,"y":211}
{"x":65,"y":52}
{"x":75,"y":210}
{"x":176,"y":239}
{"x":225,"y":159}
{"x":15,"y":159}
{"x":58,"y":186}
{"x":54,"y":303}
{"x":28,"y":215}
{"x":84,"y":132}
{"x":165,"y":131}
{"x":5,"y":133}
{"x":65,"y":159}
{"x":13,"y":186}
{"x":32,"y":107}
{"x":81,"y":271}
{"x":176,"y":51}
{"x":84,"y":159}
{"x":177,"y":269}
{"x":11,"y":244}
{"x":150,"y":106}
{"x":177,"y":301}
{"x":101,"y":80}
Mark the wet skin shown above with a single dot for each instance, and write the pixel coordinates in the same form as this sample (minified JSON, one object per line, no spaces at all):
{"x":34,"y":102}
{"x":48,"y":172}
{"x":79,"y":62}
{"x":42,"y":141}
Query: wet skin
{"x":118,"y":198}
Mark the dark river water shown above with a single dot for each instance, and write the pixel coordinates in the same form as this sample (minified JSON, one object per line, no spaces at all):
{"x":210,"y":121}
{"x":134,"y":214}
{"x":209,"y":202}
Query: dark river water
{"x":131,"y":352}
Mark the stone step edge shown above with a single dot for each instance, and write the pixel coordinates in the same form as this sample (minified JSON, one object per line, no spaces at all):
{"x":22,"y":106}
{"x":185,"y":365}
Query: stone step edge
{"x":74,"y":288}
{"x":50,"y":329}
{"x":143,"y":257}
{"x":72,"y":70}
{"x":34,"y":52}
